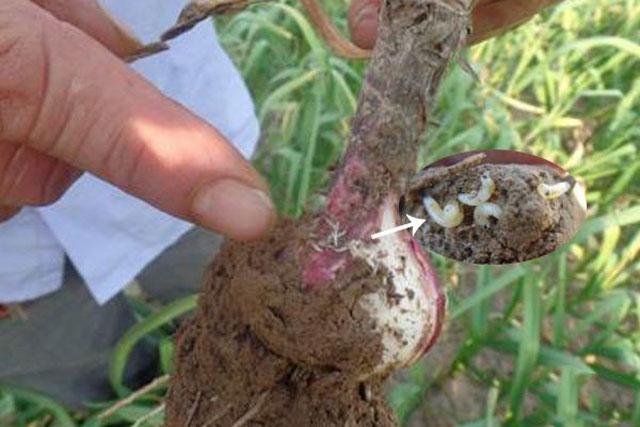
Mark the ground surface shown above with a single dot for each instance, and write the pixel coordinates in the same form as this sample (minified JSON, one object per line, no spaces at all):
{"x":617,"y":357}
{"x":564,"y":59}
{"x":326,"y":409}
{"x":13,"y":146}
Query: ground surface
{"x":554,"y":341}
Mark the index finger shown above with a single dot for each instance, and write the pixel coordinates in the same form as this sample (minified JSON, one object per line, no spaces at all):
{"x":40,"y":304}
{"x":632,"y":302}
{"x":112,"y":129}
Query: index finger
{"x":93,"y":20}
{"x":71,"y":99}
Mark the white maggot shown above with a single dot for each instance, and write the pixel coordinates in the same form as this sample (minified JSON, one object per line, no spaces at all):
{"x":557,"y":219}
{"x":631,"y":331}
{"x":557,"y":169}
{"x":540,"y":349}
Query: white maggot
{"x":487,"y":187}
{"x":553,"y":191}
{"x":482,"y":213}
{"x":450,"y":216}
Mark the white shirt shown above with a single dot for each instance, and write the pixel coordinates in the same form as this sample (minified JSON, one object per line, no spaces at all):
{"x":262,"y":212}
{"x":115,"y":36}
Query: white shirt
{"x":108,"y":235}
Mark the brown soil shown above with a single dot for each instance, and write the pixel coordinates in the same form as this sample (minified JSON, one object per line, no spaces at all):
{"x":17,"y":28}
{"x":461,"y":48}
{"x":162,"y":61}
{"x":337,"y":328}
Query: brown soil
{"x":260,"y":339}
{"x":530,"y":226}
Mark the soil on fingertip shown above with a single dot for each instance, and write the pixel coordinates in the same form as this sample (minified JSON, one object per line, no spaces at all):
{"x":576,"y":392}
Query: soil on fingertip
{"x":261,"y":344}
{"x":530,"y":225}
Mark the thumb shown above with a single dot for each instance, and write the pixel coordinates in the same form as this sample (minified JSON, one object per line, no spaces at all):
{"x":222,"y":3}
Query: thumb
{"x":69,"y":98}
{"x":363,"y":22}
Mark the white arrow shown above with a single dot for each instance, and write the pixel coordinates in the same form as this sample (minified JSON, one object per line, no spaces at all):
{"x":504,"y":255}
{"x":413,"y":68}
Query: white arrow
{"x":414,"y":223}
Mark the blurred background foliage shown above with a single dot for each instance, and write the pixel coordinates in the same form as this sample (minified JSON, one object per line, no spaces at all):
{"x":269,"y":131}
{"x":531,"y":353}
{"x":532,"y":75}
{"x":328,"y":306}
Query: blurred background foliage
{"x":554,"y":341}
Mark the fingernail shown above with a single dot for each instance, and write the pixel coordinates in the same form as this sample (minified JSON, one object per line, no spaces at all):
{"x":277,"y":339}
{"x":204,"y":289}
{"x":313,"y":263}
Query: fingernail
{"x":367,"y":14}
{"x":363,"y":23}
{"x":128,"y":43}
{"x":233,"y":209}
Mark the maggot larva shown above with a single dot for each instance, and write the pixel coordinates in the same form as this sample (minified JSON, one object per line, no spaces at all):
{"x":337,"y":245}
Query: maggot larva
{"x":495,"y":206}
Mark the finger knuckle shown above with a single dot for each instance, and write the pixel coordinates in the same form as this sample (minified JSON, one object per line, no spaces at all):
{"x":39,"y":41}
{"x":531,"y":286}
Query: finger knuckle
{"x":29,"y":178}
{"x":21,"y":63}
{"x":10,"y":156}
{"x":56,"y":183}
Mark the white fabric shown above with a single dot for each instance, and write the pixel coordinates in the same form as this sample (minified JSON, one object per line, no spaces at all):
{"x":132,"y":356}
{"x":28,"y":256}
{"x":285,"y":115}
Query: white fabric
{"x":108,"y":235}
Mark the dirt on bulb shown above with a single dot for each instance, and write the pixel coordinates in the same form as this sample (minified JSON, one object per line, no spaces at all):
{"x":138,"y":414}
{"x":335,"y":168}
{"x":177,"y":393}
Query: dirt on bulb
{"x":261,"y":339}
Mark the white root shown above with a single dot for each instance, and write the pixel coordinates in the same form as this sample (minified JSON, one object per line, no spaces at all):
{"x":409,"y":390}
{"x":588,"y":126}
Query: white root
{"x":487,"y":187}
{"x":450,"y":216}
{"x":553,"y":191}
{"x":482,"y":213}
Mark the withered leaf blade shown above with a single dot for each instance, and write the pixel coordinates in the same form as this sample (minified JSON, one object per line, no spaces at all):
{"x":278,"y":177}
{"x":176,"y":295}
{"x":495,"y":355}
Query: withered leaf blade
{"x":148,"y":50}
{"x":199,"y":10}
{"x":192,"y":14}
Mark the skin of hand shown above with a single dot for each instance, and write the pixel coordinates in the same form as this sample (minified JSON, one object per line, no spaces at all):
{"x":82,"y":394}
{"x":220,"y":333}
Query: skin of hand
{"x":490,"y":18}
{"x":69,"y":104}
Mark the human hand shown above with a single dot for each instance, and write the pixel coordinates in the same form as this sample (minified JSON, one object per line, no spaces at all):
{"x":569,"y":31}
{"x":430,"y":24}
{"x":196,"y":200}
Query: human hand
{"x":490,"y":18}
{"x":68,"y":104}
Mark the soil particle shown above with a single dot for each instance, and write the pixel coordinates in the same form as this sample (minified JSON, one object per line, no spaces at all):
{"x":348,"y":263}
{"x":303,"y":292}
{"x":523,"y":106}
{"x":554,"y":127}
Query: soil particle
{"x":530,"y":225}
{"x":258,"y":330}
